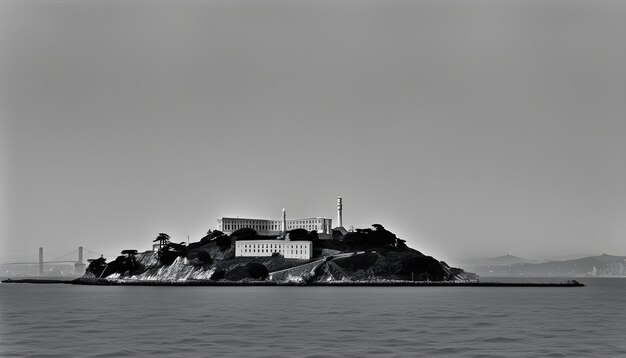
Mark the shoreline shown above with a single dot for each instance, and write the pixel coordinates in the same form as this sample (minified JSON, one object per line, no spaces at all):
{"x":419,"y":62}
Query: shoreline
{"x":104,"y":282}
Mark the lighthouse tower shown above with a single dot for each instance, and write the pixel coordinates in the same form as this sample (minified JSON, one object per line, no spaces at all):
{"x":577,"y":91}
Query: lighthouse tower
{"x":284,"y":228}
{"x":339,"y":211}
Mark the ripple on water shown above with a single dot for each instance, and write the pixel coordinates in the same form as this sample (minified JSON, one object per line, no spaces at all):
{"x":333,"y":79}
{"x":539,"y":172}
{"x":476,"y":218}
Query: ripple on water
{"x":483,"y":324}
{"x":309,"y":322}
{"x":501,"y":340}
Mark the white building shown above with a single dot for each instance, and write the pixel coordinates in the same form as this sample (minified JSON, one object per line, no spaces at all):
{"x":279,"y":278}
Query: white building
{"x":286,"y":248}
{"x":276,"y":227}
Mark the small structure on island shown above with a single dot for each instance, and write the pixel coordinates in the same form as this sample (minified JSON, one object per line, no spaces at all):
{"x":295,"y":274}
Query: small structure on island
{"x":286,"y":248}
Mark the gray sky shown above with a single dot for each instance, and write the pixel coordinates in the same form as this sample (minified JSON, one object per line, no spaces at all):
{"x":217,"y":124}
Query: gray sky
{"x":469,"y":128}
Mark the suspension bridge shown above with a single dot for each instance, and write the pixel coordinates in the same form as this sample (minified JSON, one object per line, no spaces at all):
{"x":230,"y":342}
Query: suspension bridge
{"x":79,"y":264}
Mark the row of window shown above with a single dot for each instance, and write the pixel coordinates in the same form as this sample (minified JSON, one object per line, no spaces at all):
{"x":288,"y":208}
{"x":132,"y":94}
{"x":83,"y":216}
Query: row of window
{"x":308,"y":227}
{"x":269,"y":225}
{"x":302,"y":222}
{"x":273,"y":246}
{"x":233,"y":227}
{"x":237,"y":226}
{"x":297,"y":252}
{"x":257,"y":222}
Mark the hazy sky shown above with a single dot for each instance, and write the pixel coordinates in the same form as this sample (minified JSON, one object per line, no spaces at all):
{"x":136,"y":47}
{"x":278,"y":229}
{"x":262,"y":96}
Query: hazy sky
{"x":469,"y":128}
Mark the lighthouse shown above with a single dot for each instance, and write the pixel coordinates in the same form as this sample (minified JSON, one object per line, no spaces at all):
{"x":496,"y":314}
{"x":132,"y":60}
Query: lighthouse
{"x":284,"y":224}
{"x":339,"y":211}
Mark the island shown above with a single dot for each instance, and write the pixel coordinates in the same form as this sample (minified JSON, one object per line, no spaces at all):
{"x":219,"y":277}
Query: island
{"x":296,"y":251}
{"x":371,"y":256}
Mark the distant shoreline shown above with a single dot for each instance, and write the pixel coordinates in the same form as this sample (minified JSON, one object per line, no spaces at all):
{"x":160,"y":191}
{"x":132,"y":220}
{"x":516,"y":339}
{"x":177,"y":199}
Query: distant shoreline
{"x":35,"y":280}
{"x":103,"y":282}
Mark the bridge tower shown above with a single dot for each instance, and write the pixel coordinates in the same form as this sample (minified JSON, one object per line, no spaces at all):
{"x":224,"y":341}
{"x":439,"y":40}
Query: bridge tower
{"x":41,"y":261}
{"x":79,"y":266}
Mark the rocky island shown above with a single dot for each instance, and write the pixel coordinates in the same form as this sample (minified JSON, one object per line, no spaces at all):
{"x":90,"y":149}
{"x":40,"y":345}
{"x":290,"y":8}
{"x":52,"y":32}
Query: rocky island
{"x":373,"y":255}
{"x":298,"y":251}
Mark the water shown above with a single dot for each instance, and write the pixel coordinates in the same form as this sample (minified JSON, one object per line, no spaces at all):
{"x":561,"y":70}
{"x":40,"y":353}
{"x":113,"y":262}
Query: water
{"x":90,"y":321}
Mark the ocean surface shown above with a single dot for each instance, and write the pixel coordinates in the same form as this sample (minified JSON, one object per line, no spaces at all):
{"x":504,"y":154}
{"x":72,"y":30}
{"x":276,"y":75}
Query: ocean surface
{"x":55,"y":320}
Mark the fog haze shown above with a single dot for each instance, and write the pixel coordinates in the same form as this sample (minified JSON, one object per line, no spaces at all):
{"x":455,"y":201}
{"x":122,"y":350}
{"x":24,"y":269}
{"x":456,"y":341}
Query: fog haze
{"x":467,"y":128}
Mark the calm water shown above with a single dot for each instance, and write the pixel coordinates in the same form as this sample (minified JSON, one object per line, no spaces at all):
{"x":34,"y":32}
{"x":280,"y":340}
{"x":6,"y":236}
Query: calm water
{"x":88,"y":321}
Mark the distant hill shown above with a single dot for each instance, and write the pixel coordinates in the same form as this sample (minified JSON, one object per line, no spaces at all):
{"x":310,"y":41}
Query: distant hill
{"x":602,"y":265}
{"x":505,"y":260}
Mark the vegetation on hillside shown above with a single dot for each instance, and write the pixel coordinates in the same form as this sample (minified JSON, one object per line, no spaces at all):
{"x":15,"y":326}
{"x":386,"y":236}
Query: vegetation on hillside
{"x":363,"y":254}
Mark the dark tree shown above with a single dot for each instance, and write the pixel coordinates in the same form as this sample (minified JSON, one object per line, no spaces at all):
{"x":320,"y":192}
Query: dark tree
{"x":210,"y":236}
{"x":298,"y":234}
{"x":176,"y":247}
{"x":167,"y":257}
{"x":401,"y":244}
{"x":129,"y":253}
{"x":205,"y":257}
{"x":96,"y":266}
{"x":423,"y":268}
{"x":338,"y":236}
{"x":162,"y":239}
{"x":245,"y":233}
{"x":356,"y":238}
{"x":170,"y":251}
{"x":378,"y":237}
{"x":216,"y":233}
{"x":218,"y":275}
{"x":223,"y":242}
{"x":130,"y":258}
{"x":124,"y":265}
{"x":257,"y":271}
{"x":237,"y":273}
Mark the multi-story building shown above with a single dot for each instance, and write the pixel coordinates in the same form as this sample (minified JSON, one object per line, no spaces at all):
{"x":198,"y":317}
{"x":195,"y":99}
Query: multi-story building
{"x":276,"y":227}
{"x":285,"y":248}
